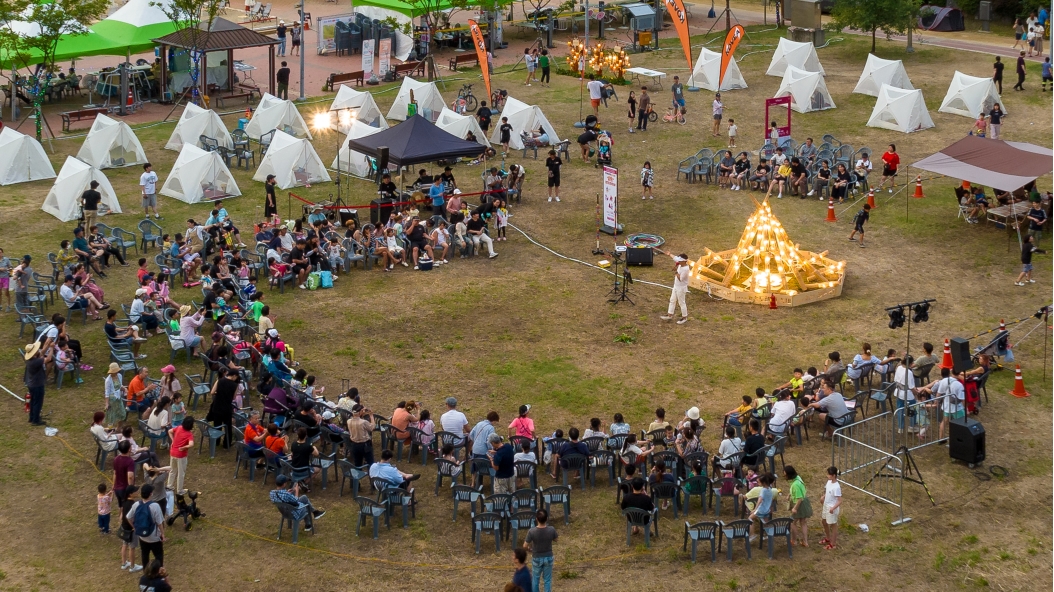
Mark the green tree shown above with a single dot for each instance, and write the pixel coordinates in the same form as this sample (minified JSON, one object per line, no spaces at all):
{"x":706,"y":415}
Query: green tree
{"x":187,"y":14}
{"x":889,"y":16}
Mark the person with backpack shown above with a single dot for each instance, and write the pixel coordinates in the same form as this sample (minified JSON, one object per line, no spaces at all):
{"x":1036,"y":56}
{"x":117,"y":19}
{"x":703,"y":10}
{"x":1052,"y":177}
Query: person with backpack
{"x":858,"y":224}
{"x":148,"y":522}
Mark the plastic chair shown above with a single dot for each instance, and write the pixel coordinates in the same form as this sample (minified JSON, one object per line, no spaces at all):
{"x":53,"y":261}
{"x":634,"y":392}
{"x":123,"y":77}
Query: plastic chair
{"x":242,"y":457}
{"x":716,"y":485}
{"x":210,"y":433}
{"x":699,"y":483}
{"x":481,"y":469}
{"x":349,"y":471}
{"x":636,"y":517}
{"x":464,"y":493}
{"x":397,"y":497}
{"x":487,"y":522}
{"x":520,"y":520}
{"x":271,"y":460}
{"x":198,"y":388}
{"x":369,"y":508}
{"x":665,"y":490}
{"x":702,"y":531}
{"x":602,"y":459}
{"x":777,"y":528}
{"x":736,"y":530}
{"x":687,"y":168}
{"x":74,"y":369}
{"x":574,"y":462}
{"x":123,"y":239}
{"x":290,"y":514}
{"x":557,"y":494}
{"x":417,"y":440}
{"x":524,"y":499}
{"x":670,"y":459}
{"x":101,"y":453}
{"x":154,"y":435}
{"x":447,"y":469}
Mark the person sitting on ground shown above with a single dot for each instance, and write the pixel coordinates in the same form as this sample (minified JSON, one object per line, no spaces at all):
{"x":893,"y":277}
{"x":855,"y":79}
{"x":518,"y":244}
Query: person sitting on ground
{"x":387,"y":471}
{"x":638,"y":499}
{"x":289,"y":493}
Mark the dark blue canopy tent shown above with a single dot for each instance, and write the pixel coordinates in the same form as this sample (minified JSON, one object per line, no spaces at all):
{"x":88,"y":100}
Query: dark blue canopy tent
{"x":414,"y":141}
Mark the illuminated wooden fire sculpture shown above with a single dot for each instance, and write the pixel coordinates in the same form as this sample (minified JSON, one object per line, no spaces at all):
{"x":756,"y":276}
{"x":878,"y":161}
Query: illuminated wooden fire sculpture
{"x":767,"y":263}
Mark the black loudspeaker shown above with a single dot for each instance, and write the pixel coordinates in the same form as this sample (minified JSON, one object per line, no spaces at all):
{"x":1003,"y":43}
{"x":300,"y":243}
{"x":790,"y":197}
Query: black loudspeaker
{"x":961,"y":359}
{"x":966,"y":440}
{"x":349,"y":214}
{"x":382,"y":159}
{"x":381,"y":210}
{"x":640,"y":256}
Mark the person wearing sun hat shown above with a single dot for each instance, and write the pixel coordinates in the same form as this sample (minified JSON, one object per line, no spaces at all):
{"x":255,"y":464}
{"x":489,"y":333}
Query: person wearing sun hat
{"x":36,"y":377}
{"x":116,"y":412}
{"x":691,"y":419}
{"x":680,"y":289}
{"x":188,"y":327}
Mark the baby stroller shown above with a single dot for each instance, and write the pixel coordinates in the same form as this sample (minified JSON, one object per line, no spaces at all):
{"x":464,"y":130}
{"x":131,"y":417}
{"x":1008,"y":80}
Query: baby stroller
{"x":604,"y":142}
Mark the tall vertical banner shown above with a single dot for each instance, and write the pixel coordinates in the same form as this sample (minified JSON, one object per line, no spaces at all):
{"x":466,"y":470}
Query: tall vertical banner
{"x":735,"y":34}
{"x":384,"y":56}
{"x":680,"y":22}
{"x":367,"y":58}
{"x":481,"y":52}
{"x":610,"y":210}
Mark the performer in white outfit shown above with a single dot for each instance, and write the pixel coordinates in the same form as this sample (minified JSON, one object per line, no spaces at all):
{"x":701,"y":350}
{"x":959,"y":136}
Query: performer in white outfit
{"x":680,"y":289}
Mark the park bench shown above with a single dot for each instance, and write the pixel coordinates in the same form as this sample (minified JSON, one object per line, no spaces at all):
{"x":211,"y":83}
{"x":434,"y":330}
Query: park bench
{"x":336,"y":79}
{"x":69,"y":116}
{"x":464,"y":58}
{"x":247,"y":95}
{"x":415,"y":68}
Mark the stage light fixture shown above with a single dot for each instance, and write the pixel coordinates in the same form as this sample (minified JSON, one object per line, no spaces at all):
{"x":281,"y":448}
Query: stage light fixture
{"x":922,"y":313}
{"x":896,"y":318}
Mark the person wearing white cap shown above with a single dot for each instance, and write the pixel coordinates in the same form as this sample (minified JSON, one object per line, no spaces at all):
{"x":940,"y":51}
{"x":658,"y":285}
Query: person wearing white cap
{"x":680,"y":289}
{"x":138,"y":313}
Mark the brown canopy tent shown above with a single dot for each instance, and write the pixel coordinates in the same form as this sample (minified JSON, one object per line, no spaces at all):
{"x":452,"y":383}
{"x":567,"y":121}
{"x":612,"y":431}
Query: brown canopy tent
{"x":223,"y":35}
{"x":995,"y":163}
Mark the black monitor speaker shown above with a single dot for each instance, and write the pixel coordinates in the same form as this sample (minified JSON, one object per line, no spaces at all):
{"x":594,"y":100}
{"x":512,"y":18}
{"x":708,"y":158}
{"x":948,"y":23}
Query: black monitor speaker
{"x":966,"y":440}
{"x":640,"y":256}
{"x":961,"y":360}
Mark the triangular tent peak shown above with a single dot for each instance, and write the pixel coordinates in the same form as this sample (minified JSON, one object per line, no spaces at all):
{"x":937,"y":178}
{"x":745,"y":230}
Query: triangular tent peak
{"x":970,"y":96}
{"x":461,"y":125}
{"x":293,"y":162}
{"x":524,"y":118}
{"x":64,"y":199}
{"x":274,"y":113}
{"x":900,"y":110}
{"x":111,"y":143}
{"x":791,"y":53}
{"x":361,"y":104}
{"x":196,"y":122}
{"x":22,"y":159}
{"x":353,"y":162}
{"x":807,"y":90}
{"x":708,"y":69}
{"x":199,"y":176}
{"x":878,"y":72}
{"x":429,"y":101}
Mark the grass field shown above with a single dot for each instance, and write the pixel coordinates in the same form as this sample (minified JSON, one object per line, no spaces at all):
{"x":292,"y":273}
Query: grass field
{"x":529,"y":327}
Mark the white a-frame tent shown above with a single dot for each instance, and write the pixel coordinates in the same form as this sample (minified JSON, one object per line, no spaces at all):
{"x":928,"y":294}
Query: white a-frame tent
{"x":807,"y":90}
{"x":274,"y":113}
{"x":524,"y":118}
{"x":293,"y":162}
{"x":353,"y":162}
{"x":64,"y":198}
{"x":791,"y":53}
{"x":878,"y":72}
{"x":362,"y":104}
{"x":199,"y":176}
{"x":429,"y":102}
{"x":22,"y":159}
{"x":111,"y":143}
{"x":900,"y":110}
{"x":196,"y":122}
{"x":461,"y":125}
{"x":708,"y":69}
{"x":970,"y":96}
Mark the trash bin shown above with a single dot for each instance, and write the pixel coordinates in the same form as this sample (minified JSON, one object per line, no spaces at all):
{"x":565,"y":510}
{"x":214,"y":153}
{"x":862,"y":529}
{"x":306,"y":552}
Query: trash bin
{"x":242,"y":122}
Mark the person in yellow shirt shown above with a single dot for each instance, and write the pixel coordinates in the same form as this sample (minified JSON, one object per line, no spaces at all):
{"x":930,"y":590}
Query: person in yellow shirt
{"x":660,"y":422}
{"x":739,"y":416}
{"x":795,"y":384}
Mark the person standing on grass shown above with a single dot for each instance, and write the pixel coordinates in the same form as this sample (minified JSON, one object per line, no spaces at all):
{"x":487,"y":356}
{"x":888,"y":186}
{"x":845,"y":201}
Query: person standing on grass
{"x":148,"y":185}
{"x":1020,"y":72}
{"x":1047,"y":78}
{"x":890,"y":162}
{"x":543,"y":63}
{"x":540,"y":542}
{"x":832,"y":509}
{"x":800,"y":508}
{"x":553,"y":163}
{"x":719,"y":111}
{"x":36,"y":377}
{"x":997,"y":73}
{"x":631,"y":102}
{"x":281,"y":78}
{"x":677,"y":90}
{"x":680,"y":289}
{"x":528,"y":60}
{"x":129,"y":542}
{"x":858,"y":223}
{"x":104,"y":501}
{"x":505,"y":135}
{"x":182,"y":440}
{"x":596,"y":93}
{"x":643,"y":109}
{"x":1027,"y":248}
{"x":733,"y":131}
{"x":995,"y":121}
{"x":522,"y":576}
{"x":90,"y":204}
{"x":647,"y":179}
{"x":149,"y":523}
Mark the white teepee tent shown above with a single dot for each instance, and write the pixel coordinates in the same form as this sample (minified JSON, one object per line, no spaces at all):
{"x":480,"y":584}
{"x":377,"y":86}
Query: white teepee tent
{"x":274,"y":113}
{"x":111,"y":143}
{"x":196,"y":122}
{"x":429,"y":102}
{"x":199,"y":176}
{"x":22,"y":159}
{"x":64,"y":198}
{"x":353,"y":162}
{"x":807,"y":90}
{"x":363,"y":106}
{"x":523,"y":118}
{"x":292,"y":161}
{"x":708,"y":69}
{"x":900,"y":110}
{"x":461,"y":125}
{"x":970,"y":96}
{"x":878,"y":72}
{"x":791,"y":53}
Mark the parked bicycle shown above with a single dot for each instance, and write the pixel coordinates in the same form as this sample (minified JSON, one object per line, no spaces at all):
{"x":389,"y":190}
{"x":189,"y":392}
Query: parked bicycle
{"x":465,"y":102}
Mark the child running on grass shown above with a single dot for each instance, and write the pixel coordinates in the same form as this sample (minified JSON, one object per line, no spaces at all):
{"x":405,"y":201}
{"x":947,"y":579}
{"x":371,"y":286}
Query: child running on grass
{"x":858,"y":224}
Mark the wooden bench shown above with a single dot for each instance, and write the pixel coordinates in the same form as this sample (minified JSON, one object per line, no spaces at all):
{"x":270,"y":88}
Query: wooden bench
{"x":69,"y":116}
{"x":416,"y":68}
{"x":464,"y":58}
{"x":336,"y":79}
{"x":247,"y":95}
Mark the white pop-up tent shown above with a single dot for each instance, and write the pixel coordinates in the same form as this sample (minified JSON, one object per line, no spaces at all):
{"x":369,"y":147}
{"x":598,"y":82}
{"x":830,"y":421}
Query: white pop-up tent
{"x":429,"y":102}
{"x":351,"y":161}
{"x":523,"y":118}
{"x":293,"y":162}
{"x":22,"y":159}
{"x":970,"y":96}
{"x":199,"y":176}
{"x":791,"y":53}
{"x":363,"y":106}
{"x":64,"y":198}
{"x":878,"y":72}
{"x":807,"y":90}
{"x":196,"y":122}
{"x":111,"y":143}
{"x":274,"y":113}
{"x":708,"y":69}
{"x":461,"y":125}
{"x":900,"y":110}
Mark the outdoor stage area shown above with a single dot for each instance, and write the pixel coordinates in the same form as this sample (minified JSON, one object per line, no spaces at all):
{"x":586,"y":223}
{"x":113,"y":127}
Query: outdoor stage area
{"x":529,"y":327}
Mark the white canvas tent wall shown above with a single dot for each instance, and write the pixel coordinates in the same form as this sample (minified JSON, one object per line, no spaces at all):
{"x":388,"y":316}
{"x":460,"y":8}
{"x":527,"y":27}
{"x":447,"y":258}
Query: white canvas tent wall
{"x":970,"y":96}
{"x":64,"y":198}
{"x":195,"y":172}
{"x":196,"y":122}
{"x":22,"y":159}
{"x":878,"y":72}
{"x":708,"y":69}
{"x":461,"y":125}
{"x":807,"y":90}
{"x":900,"y":110}
{"x":293,"y":162}
{"x":429,"y":102}
{"x":353,"y":162}
{"x":111,"y":143}
{"x":524,"y":118}
{"x":274,"y":113}
{"x":792,"y":53}
{"x":362,"y":103}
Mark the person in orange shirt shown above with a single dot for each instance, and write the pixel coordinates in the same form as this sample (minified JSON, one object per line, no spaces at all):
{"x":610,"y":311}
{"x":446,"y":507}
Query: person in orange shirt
{"x":141,"y":393}
{"x":402,"y":417}
{"x":274,"y":442}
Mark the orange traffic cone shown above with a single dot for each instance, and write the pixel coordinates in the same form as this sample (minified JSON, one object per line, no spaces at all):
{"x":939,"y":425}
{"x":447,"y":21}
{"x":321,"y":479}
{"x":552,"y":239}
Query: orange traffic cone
{"x":918,"y":187}
{"x":130,"y":98}
{"x":772,"y":302}
{"x":871,"y":199}
{"x":1019,"y":385}
{"x":830,"y":211}
{"x":947,"y":361}
{"x":1002,"y":325}
{"x":248,"y":112}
